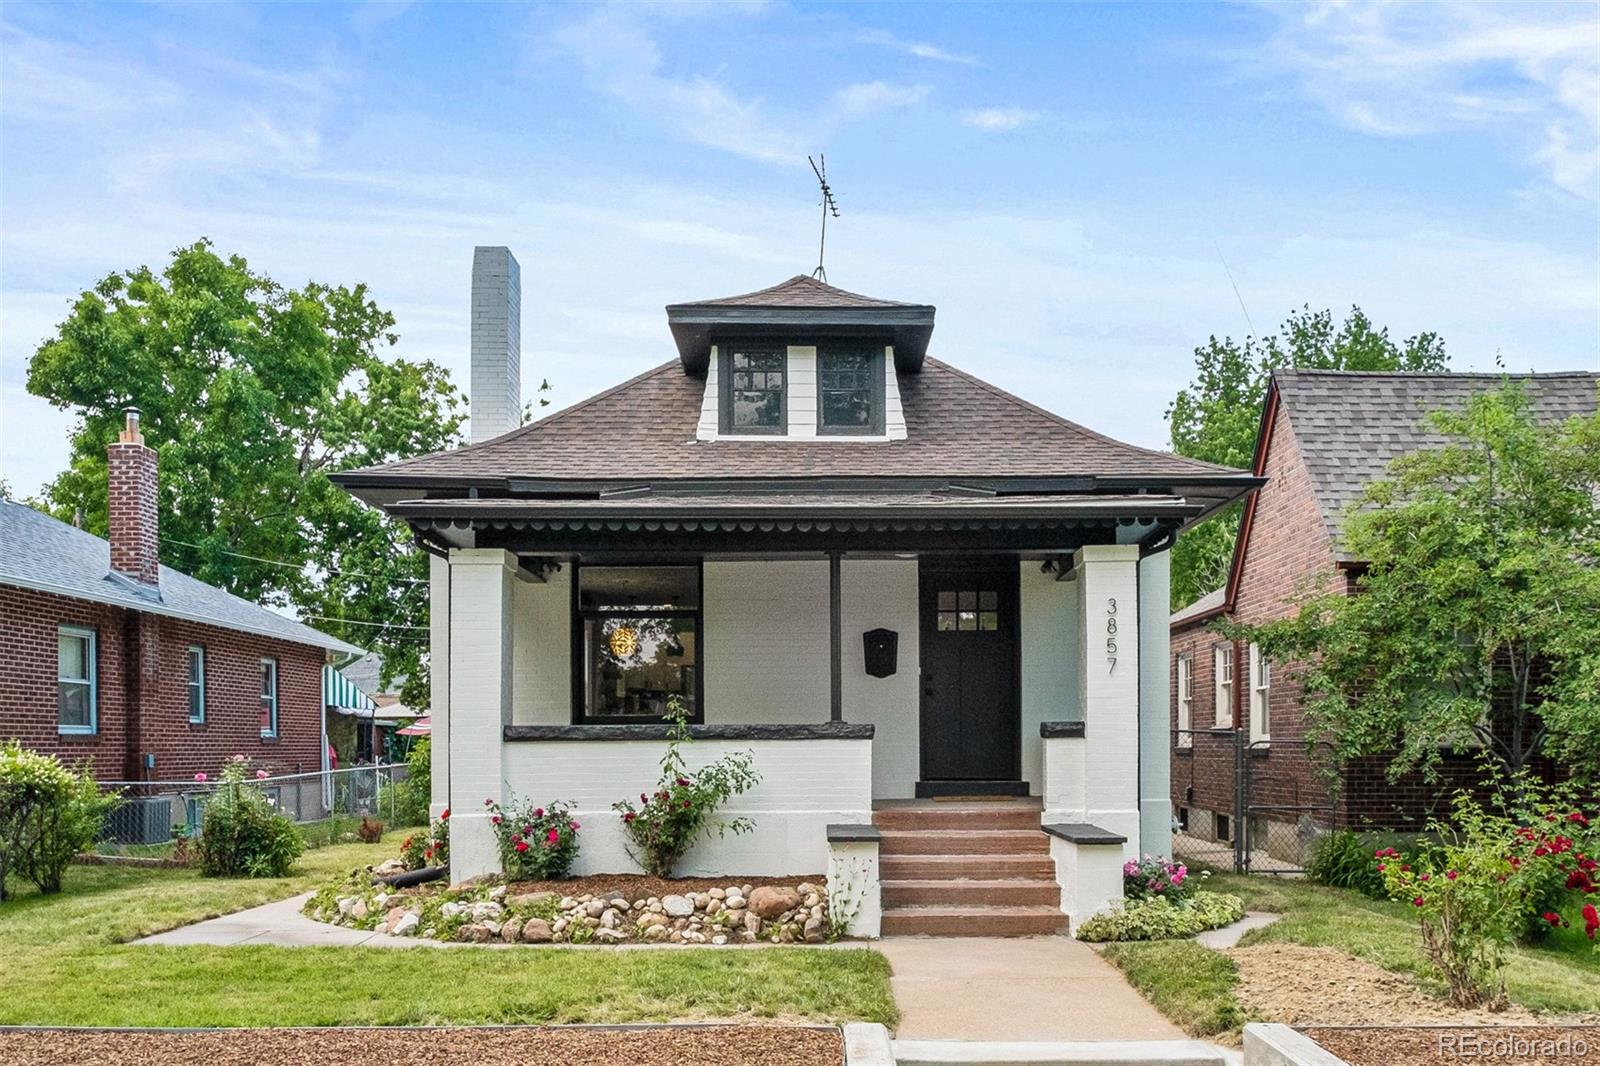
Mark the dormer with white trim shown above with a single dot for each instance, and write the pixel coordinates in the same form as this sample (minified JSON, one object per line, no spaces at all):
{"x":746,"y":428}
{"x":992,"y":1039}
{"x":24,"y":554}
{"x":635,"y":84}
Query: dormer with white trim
{"x":801,"y":361}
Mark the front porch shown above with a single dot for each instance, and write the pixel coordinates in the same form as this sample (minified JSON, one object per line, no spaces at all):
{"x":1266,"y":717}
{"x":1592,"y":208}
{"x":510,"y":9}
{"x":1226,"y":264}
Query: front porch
{"x":860,"y":681}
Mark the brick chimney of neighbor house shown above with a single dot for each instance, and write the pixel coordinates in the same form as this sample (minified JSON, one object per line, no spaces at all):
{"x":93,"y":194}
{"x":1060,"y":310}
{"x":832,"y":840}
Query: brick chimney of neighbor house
{"x":496,"y":396}
{"x":131,"y":499}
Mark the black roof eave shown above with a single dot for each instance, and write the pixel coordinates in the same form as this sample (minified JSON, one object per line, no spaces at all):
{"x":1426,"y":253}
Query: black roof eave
{"x":695,"y":327}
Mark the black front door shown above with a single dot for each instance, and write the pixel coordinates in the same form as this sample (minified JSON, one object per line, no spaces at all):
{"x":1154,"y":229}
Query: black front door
{"x":971,"y":705}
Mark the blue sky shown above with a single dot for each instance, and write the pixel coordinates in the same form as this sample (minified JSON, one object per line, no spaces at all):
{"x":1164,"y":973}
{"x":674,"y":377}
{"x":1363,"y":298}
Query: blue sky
{"x":1065,"y":182}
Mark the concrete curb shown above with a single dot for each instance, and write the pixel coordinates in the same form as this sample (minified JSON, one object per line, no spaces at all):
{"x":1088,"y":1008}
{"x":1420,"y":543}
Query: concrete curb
{"x":1062,"y":1053}
{"x":867,"y":1044}
{"x":1279,"y":1045}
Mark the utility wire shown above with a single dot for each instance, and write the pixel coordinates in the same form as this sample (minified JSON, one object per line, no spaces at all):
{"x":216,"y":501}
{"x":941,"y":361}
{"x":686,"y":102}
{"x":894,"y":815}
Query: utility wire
{"x":1236,"y":294}
{"x":292,"y":566}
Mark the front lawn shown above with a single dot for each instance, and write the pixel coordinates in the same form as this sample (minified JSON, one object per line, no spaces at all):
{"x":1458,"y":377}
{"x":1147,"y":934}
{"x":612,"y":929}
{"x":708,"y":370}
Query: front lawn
{"x":63,"y":961}
{"x":1196,"y":987}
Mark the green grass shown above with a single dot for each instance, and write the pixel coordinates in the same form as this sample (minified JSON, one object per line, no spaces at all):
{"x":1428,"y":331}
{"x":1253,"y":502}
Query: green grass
{"x":1190,"y":984}
{"x":63,"y":961}
{"x":1559,"y":976}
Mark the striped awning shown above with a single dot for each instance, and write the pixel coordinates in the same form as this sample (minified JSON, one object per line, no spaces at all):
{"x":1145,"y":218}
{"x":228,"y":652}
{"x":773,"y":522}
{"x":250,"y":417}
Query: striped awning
{"x":341,"y":694}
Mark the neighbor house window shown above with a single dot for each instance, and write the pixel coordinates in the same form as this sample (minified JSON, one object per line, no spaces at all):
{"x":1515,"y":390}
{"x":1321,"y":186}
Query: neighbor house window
{"x":754,"y":388}
{"x":1223,"y":662}
{"x":1185,"y":701}
{"x":269,"y":697}
{"x":1260,"y":691}
{"x":850,"y":390}
{"x":197,"y":683}
{"x":77,"y":697}
{"x":640,"y":629}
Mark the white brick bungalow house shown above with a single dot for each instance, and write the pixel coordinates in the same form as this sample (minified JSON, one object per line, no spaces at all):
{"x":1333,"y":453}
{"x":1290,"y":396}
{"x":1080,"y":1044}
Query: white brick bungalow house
{"x":889,"y":580}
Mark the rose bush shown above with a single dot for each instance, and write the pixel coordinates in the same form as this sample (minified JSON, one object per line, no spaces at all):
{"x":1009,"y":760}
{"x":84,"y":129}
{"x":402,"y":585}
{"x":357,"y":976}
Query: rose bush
{"x":1154,"y":876}
{"x":669,"y":819}
{"x":241,"y":833}
{"x":428,"y":849}
{"x":1493,"y":874}
{"x":536,"y":843}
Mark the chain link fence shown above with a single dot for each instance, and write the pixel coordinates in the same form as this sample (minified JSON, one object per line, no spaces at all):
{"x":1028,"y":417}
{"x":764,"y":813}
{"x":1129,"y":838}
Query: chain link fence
{"x":328,"y":805}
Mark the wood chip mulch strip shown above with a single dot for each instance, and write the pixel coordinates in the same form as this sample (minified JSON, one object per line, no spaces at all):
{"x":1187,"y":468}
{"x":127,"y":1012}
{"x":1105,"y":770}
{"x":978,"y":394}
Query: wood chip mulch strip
{"x":735,"y":1045}
{"x":1374,"y":1046}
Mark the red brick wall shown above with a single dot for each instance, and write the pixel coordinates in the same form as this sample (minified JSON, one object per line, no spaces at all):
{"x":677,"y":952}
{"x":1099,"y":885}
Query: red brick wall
{"x":158,"y":693}
{"x":131,"y":496}
{"x":1202,"y":774}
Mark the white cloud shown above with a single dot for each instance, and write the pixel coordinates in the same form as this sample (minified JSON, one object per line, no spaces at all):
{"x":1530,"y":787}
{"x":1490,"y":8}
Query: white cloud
{"x":919,"y":49}
{"x":995,"y":119}
{"x":618,"y":51}
{"x":1403,"y":69}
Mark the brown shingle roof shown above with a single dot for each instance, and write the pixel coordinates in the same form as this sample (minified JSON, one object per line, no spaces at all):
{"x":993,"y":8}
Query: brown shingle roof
{"x":798,"y":291}
{"x":1351,"y":425}
{"x":957,"y":426}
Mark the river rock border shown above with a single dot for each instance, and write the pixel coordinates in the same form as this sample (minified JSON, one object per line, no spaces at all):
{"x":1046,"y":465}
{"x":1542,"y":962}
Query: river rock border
{"x":483,"y":913}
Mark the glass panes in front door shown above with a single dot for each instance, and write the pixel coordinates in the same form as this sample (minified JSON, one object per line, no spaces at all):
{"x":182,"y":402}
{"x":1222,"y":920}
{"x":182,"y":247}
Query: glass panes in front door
{"x":968,"y":610}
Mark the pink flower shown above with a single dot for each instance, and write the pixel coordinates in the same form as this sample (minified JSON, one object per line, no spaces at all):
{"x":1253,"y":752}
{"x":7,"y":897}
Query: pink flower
{"x":201,"y":776}
{"x":261,"y":775}
{"x":1417,"y":902}
{"x":239,"y":758}
{"x":522,"y":845}
{"x":1451,"y":875}
{"x":495,"y":819}
{"x":488,"y":802}
{"x":538,"y":812}
{"x":629,"y":816}
{"x":573,"y":826}
{"x":552,"y":837}
{"x":1382,"y":867}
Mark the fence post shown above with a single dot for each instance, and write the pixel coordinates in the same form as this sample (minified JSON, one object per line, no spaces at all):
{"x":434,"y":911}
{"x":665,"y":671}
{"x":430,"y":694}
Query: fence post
{"x":1241,"y":791}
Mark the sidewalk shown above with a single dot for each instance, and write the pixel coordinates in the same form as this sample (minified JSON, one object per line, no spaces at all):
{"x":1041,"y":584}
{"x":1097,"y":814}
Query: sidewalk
{"x":282,"y":924}
{"x":1030,"y":988}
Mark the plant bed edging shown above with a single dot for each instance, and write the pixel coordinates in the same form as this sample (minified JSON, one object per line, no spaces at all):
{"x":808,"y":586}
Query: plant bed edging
{"x":1281,"y":1045}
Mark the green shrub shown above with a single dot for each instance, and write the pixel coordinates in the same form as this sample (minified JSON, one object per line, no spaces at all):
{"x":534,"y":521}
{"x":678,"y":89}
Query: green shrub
{"x":1343,"y":859}
{"x":1158,"y":918}
{"x":405,"y":802}
{"x":241,"y":835}
{"x":536,"y":843}
{"x":669,"y":820}
{"x":48,"y":814}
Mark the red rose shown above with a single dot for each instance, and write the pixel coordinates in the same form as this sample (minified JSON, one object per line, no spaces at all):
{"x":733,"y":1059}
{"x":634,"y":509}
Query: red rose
{"x":1417,"y":902}
{"x":1591,"y":920}
{"x":628,"y":817}
{"x":495,"y":819}
{"x":522,"y":845}
{"x":1578,"y":818}
{"x":552,"y":837}
{"x":1552,"y":917}
{"x":444,"y":815}
{"x":538,"y":812}
{"x":1451,"y":875}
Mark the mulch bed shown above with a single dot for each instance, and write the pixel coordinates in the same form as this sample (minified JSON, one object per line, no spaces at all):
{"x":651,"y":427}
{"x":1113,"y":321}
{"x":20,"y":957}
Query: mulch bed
{"x":640,"y":886}
{"x":561,"y":1046}
{"x":1366,"y":1046}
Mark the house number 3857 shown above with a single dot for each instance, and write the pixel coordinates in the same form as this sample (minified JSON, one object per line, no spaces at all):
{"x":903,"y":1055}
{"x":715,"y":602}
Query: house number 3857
{"x":1111,"y":635}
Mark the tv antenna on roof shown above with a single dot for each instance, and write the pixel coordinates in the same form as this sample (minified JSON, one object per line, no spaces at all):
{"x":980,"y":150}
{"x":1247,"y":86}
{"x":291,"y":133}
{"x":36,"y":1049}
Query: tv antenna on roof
{"x":819,"y":167}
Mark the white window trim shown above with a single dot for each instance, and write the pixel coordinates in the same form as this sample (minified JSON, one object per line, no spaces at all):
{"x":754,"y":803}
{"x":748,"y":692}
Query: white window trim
{"x":189,"y":683}
{"x":1185,"y":701}
{"x":1223,"y":690}
{"x":92,"y":669}
{"x":1260,"y":695}
{"x":273,"y":663}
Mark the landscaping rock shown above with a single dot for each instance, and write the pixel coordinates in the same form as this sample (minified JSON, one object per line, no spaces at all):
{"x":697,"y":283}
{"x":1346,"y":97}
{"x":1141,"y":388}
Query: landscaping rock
{"x":407,"y":925}
{"x":608,"y":918}
{"x":610,"y":936}
{"x":594,"y":908}
{"x":652,"y":921}
{"x":769,"y":901}
{"x":678,"y":906}
{"x":359,"y":910}
{"x":752,"y":923}
{"x":527,"y":900}
{"x":473,"y":934}
{"x":537,"y":931}
{"x":813,"y":930}
{"x":655,"y":932}
{"x":487,"y":910}
{"x":392,"y":919}
{"x":511,"y":930}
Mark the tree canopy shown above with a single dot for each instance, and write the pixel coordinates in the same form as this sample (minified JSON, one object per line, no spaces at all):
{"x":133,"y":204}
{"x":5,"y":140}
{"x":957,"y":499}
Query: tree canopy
{"x":253,"y":393}
{"x":1476,"y":621}
{"x":1215,"y":417}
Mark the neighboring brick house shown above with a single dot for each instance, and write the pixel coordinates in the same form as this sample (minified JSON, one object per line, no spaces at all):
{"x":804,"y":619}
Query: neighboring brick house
{"x":136,"y":670}
{"x":1324,"y":436}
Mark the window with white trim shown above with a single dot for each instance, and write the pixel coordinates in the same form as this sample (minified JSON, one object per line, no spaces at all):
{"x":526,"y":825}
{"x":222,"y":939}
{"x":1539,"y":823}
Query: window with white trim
{"x":77,"y":695}
{"x":1185,"y":701}
{"x":1222,"y":671}
{"x":1260,"y":693}
{"x":269,"y":697}
{"x":195,"y":660}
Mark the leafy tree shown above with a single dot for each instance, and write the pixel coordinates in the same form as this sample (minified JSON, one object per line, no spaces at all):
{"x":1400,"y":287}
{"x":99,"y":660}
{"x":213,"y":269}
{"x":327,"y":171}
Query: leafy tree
{"x":1477,"y":618}
{"x":253,"y":394}
{"x":1215,"y":417}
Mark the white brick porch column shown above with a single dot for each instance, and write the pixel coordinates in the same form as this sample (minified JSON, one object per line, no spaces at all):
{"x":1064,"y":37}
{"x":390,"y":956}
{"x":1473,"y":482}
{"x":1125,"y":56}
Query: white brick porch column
{"x":439,"y":683}
{"x":1108,"y":680}
{"x":480,"y":700}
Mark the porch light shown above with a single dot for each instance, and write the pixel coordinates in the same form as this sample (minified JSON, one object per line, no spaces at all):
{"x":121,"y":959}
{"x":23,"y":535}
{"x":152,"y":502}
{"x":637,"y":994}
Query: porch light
{"x":624,"y":641}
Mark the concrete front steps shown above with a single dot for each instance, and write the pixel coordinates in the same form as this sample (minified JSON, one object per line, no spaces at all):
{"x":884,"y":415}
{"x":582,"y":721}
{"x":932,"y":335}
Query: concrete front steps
{"x":967,"y":869}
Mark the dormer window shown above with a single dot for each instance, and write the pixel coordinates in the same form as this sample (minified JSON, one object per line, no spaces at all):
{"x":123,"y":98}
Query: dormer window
{"x":850,"y":390}
{"x":755,"y":388}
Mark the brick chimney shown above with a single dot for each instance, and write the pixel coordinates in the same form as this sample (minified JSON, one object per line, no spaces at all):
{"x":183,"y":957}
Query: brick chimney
{"x":496,"y":398}
{"x":131,"y":500}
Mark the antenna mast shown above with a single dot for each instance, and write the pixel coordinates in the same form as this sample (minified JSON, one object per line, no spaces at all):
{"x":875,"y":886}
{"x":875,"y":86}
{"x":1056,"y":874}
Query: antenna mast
{"x":819,"y":167}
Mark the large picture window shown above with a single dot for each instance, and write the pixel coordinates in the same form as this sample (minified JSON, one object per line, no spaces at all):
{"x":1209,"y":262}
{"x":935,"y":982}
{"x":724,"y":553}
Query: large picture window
{"x":640,"y":629}
{"x":754,"y":388}
{"x":76,"y":695}
{"x":850,"y":390}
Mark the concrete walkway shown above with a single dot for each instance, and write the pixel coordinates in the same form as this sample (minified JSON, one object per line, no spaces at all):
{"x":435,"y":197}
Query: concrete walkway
{"x":280,"y":924}
{"x":1025,"y":988}
{"x":1229,"y":935}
